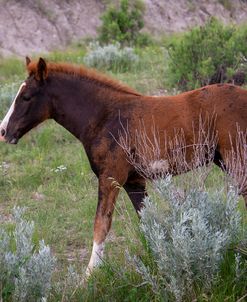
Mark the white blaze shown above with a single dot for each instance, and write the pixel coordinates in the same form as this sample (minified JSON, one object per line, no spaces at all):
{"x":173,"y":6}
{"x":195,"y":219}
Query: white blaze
{"x":5,"y":121}
{"x":96,"y":257}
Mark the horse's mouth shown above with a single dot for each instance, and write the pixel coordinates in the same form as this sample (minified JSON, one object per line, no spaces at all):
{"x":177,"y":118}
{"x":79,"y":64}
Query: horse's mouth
{"x":11,"y":140}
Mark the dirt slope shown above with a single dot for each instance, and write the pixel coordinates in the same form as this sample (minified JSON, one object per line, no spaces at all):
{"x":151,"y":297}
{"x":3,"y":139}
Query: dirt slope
{"x":28,"y":26}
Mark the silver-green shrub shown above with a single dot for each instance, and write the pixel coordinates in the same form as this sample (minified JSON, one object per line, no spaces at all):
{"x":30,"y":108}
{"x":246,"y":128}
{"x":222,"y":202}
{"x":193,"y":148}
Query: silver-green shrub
{"x":111,"y":57}
{"x":25,"y":270}
{"x":188,"y":234}
{"x":69,"y":284}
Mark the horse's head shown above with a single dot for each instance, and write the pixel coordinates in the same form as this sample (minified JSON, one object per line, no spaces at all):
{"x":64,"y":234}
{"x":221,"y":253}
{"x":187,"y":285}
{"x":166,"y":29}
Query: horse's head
{"x":31,"y":105}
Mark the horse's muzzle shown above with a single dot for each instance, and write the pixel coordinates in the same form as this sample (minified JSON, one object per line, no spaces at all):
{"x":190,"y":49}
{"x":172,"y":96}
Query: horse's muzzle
{"x":9,"y":139}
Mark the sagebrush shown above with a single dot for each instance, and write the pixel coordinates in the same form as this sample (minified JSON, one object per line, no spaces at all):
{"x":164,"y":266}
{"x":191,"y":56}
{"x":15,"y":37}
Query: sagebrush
{"x":25,"y":269}
{"x":189,"y":232}
{"x":111,"y":57}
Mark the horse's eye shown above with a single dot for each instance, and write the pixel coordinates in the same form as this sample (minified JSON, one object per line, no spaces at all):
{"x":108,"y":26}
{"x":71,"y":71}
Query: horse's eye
{"x":26,"y":97}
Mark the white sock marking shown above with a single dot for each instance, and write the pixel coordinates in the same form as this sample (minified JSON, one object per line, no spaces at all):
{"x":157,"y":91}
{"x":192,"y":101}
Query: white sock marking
{"x":5,"y":121}
{"x":96,"y":257}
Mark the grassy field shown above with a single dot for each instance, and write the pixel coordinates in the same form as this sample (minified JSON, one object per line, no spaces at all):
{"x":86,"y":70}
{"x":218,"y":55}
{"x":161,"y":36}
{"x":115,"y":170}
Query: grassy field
{"x":48,"y":173}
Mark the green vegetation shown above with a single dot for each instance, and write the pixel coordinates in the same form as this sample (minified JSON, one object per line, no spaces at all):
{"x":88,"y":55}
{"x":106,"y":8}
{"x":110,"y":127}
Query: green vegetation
{"x":213,"y":52}
{"x":11,"y":69}
{"x":147,"y":74}
{"x":123,"y":23}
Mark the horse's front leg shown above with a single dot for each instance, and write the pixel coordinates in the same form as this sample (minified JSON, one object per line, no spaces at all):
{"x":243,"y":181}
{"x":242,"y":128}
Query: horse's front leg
{"x":108,"y":191}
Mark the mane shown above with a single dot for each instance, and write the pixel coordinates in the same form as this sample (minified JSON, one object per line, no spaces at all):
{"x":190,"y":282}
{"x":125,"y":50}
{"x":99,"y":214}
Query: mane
{"x":86,"y":73}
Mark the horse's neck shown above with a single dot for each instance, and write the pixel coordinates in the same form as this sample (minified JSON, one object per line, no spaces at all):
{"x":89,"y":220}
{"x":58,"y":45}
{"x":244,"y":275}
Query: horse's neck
{"x":79,"y":107}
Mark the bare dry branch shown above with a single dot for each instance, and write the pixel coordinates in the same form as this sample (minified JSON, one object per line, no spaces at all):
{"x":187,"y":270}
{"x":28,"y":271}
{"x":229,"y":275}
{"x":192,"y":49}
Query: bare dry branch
{"x":236,"y":161}
{"x":155,"y":156}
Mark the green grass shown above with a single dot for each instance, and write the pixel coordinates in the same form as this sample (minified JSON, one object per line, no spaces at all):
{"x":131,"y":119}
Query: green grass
{"x":30,"y":171}
{"x":63,"y":204}
{"x":11,"y":69}
{"x":148,"y":76}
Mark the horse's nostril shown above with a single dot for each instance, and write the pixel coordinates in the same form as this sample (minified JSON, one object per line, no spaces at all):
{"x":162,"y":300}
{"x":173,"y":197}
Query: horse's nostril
{"x":3,"y":132}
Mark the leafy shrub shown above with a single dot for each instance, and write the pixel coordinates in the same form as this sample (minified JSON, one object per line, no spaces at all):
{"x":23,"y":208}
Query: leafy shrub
{"x":111,"y":57}
{"x":25,"y":274}
{"x":123,"y":24}
{"x":188,"y":238}
{"x":207,"y":54}
{"x":144,"y":40}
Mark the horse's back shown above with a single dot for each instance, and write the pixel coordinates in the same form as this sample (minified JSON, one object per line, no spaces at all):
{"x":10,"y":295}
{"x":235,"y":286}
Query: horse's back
{"x":227,"y":102}
{"x":230,"y":104}
{"x":221,"y":105}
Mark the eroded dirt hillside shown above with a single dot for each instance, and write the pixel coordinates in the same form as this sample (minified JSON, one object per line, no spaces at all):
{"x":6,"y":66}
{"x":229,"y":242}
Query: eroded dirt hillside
{"x":28,"y":26}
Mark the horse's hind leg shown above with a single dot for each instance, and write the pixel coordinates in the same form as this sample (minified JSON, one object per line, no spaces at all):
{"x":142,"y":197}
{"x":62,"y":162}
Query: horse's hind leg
{"x":136,"y":190}
{"x":244,"y":194}
{"x":218,"y":160}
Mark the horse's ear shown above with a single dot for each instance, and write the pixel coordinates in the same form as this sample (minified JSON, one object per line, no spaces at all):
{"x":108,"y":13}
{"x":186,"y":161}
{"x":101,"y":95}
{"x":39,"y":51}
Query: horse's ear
{"x":42,"y":73}
{"x":28,"y":61}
